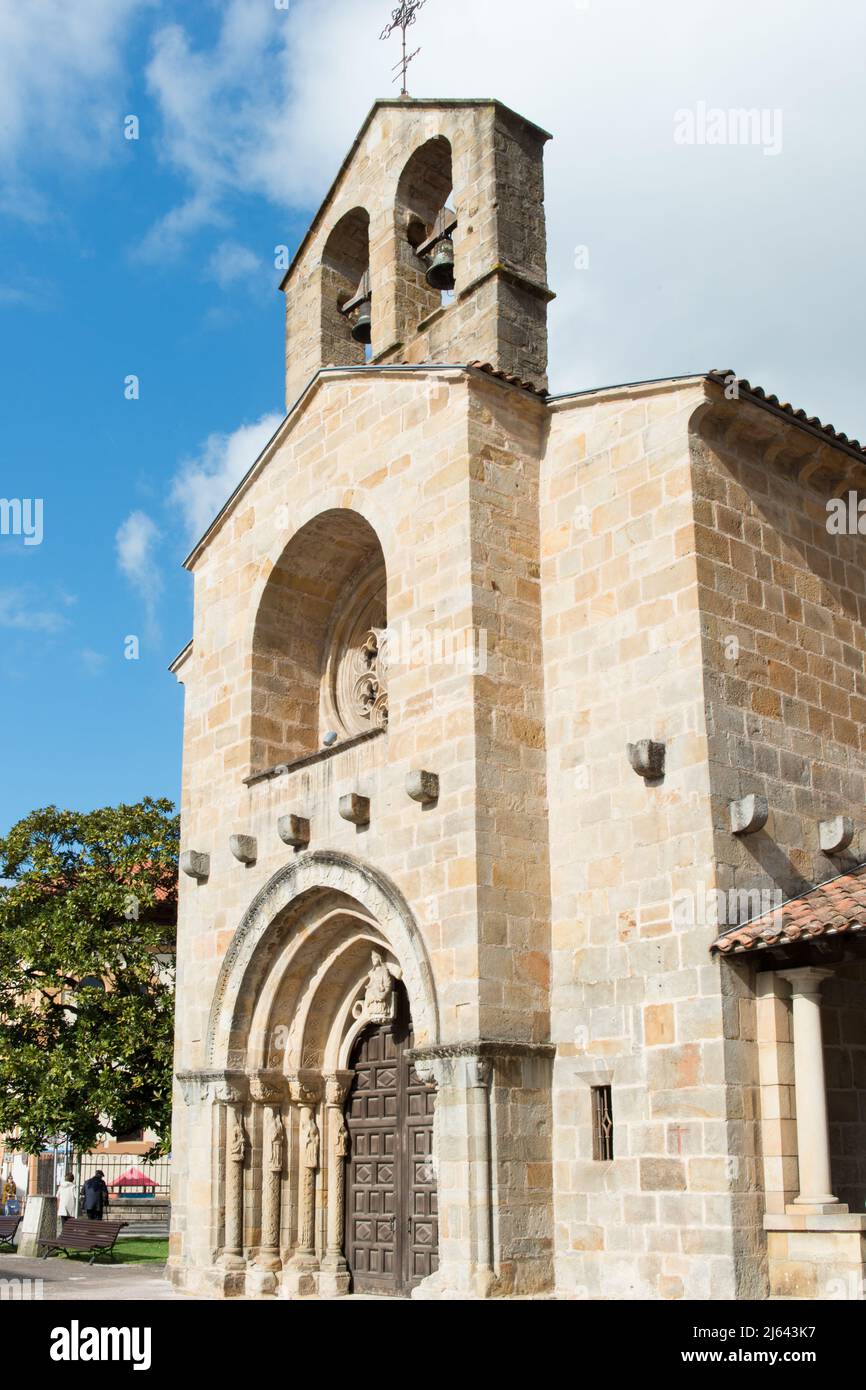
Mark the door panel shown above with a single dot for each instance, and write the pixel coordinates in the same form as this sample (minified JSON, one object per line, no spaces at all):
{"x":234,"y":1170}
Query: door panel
{"x":391,"y":1212}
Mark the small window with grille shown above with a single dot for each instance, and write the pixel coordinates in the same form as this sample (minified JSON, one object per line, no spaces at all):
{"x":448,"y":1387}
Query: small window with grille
{"x":602,"y":1124}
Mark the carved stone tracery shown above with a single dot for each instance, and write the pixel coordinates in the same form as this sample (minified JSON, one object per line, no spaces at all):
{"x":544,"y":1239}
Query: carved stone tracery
{"x":370,"y":691}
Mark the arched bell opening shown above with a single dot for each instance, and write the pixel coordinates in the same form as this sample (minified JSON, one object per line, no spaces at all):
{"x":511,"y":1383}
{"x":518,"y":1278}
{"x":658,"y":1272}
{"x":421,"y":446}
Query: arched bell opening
{"x":346,"y":295}
{"x":425,"y":228}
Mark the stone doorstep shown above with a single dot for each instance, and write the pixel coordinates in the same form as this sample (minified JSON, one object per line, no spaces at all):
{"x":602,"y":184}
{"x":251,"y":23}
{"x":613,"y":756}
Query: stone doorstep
{"x":842,"y":1221}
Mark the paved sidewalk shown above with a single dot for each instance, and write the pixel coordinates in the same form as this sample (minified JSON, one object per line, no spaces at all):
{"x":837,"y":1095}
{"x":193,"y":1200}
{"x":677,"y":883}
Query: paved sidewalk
{"x":75,"y":1280}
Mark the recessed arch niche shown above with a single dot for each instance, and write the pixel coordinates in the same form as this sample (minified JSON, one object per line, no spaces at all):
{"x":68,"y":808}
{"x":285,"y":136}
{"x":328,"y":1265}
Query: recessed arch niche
{"x":318,"y":660}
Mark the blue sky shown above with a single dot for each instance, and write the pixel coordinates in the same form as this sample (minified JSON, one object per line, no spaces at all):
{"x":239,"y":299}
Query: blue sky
{"x":155,"y":257}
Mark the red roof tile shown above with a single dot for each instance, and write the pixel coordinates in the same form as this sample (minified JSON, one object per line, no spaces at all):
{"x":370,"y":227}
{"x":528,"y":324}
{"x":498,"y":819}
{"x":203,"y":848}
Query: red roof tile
{"x":834,"y":908}
{"x":745,"y":388}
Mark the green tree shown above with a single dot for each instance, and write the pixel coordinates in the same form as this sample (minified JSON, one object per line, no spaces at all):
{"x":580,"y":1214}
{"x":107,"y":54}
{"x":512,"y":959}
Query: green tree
{"x":88,"y":911}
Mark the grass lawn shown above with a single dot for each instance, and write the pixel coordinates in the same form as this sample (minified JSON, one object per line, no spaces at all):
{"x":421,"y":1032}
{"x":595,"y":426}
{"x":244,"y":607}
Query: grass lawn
{"x":139,"y":1252}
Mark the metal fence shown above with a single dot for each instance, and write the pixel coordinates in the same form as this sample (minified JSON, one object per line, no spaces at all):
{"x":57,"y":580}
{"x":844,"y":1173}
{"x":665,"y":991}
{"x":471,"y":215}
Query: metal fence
{"x":115,"y":1165}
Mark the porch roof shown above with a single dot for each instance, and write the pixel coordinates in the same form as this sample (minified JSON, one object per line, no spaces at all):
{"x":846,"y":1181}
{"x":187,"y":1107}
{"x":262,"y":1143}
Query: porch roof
{"x":834,"y":908}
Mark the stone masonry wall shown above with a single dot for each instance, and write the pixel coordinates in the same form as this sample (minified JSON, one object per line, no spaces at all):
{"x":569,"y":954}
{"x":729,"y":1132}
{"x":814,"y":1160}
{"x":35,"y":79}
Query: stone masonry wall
{"x":403,"y":451}
{"x":784,"y":627}
{"x":636,"y":1001}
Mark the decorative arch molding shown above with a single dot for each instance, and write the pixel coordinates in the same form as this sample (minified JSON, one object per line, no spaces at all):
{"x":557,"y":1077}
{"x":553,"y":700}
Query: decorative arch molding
{"x":328,"y":500}
{"x":274,"y":914}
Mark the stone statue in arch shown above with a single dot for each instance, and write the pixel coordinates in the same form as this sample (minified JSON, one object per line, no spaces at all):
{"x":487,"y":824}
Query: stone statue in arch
{"x":378,"y":1002}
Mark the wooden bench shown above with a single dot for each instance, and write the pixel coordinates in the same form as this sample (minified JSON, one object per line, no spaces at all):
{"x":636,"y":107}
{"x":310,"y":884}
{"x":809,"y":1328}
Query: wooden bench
{"x":96,"y":1237}
{"x":8,"y":1227}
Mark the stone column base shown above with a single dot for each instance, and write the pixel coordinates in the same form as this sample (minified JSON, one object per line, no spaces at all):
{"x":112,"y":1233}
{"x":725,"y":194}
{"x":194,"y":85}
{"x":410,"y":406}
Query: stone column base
{"x":482,"y":1285}
{"x":334,"y":1282}
{"x":262,"y":1281}
{"x":817,"y":1256}
{"x":300,"y":1278}
{"x":225,"y":1282}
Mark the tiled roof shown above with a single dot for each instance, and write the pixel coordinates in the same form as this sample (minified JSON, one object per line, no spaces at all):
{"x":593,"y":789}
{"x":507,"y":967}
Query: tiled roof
{"x":834,"y":908}
{"x":503,"y":376}
{"x":759,"y":394}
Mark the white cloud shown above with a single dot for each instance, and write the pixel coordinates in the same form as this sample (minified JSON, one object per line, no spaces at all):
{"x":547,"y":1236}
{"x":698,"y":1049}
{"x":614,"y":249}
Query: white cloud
{"x":231,"y":263}
{"x":61,"y":81}
{"x":136,"y":544}
{"x":92,"y":661}
{"x":204,"y":483}
{"x":27,"y":291}
{"x":18,"y":611}
{"x":699,"y":257}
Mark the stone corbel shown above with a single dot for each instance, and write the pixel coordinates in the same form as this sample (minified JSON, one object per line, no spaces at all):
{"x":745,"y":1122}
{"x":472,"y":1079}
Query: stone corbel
{"x":195,"y":865}
{"x":835,"y":835}
{"x":648,"y":759}
{"x":749,"y":815}
{"x":423,"y":787}
{"x":244,"y":848}
{"x":355,"y":808}
{"x":294,"y":830}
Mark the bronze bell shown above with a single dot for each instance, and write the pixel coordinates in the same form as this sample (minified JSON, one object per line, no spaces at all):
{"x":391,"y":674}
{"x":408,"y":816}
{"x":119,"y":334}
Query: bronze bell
{"x":440,"y":275}
{"x":362,"y":328}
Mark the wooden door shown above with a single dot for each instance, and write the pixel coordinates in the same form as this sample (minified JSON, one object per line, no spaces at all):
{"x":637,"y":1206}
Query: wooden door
{"x":391,"y":1215}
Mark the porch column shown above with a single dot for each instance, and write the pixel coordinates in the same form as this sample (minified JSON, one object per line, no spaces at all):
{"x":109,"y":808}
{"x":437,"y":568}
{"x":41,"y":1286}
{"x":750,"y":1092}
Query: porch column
{"x":299,"y":1276}
{"x":267,"y":1091}
{"x":335,"y":1279}
{"x":813,"y":1133}
{"x":231,"y":1099}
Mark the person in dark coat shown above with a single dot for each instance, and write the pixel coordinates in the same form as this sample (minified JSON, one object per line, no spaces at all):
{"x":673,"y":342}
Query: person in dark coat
{"x":95,"y":1196}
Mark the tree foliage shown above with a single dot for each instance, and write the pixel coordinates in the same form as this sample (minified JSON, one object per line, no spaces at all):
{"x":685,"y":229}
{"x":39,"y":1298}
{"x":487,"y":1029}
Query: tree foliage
{"x":88,"y":909}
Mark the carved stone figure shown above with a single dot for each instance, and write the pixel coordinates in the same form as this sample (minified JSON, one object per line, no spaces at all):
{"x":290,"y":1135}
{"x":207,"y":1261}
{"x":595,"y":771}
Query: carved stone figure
{"x":277,"y":1143}
{"x":341,"y":1146}
{"x":310,"y":1141}
{"x":239,"y":1141}
{"x":378,"y":1004}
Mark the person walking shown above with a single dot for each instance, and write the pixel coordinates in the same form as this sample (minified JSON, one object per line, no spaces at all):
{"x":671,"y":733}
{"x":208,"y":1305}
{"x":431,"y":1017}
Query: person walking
{"x":95,"y":1196}
{"x":66,"y":1203}
{"x":10,"y":1194}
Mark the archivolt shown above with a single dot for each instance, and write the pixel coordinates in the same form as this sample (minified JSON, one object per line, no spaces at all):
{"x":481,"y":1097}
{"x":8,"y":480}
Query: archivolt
{"x":299,"y":957}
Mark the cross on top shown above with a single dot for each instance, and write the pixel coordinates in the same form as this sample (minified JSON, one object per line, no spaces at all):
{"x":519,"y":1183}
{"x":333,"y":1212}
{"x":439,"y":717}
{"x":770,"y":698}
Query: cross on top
{"x":403,"y":18}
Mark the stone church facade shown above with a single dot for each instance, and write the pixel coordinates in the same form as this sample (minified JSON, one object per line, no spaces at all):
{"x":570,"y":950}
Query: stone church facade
{"x":523,"y":795}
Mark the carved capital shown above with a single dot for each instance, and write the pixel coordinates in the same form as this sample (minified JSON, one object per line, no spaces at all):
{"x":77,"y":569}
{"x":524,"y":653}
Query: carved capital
{"x":480,"y":1070}
{"x":305,"y":1087}
{"x":430,"y":1070}
{"x":337,"y":1086}
{"x":268,"y":1087}
{"x":225,"y":1088}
